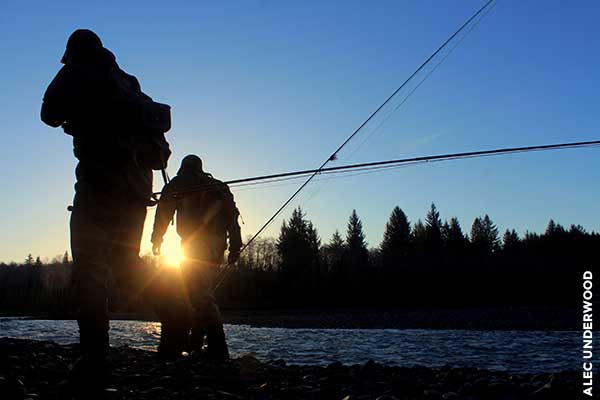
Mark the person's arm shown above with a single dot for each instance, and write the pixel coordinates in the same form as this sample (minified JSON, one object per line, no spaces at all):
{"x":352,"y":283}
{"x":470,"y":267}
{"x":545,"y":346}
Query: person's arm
{"x":233,"y":230}
{"x":235,"y":241}
{"x":52,"y":114}
{"x":55,"y":102}
{"x":164,"y":215}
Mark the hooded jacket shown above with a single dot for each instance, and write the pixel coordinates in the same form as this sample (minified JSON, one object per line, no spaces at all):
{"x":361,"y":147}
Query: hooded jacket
{"x":90,"y":99}
{"x":206,"y":211}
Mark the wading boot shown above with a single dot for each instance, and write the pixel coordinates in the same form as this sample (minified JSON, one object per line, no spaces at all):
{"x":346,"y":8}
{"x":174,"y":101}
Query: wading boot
{"x":173,"y":311}
{"x":197,"y":338}
{"x":173,"y":340}
{"x":216,"y":345}
{"x":88,"y":376}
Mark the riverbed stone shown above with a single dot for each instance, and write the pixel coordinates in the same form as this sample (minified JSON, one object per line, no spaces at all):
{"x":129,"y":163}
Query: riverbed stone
{"x":432,"y":394}
{"x":112,"y":394}
{"x":138,"y":375}
{"x":544,"y":392}
{"x":12,"y":388}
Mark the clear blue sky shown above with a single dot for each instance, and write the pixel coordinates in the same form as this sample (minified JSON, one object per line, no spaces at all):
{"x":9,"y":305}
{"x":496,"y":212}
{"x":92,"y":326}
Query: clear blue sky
{"x":267,"y":86}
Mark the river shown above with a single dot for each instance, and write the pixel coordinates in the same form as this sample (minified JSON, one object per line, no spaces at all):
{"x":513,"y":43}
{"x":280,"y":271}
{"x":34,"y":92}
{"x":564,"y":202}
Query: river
{"x":515,"y":351}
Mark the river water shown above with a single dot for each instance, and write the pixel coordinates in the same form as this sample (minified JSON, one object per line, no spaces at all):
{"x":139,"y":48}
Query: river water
{"x":515,"y":351}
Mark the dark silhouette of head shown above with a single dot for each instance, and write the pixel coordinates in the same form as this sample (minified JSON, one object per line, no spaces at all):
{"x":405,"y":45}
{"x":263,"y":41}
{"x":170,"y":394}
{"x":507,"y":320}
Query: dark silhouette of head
{"x":82,"y":44}
{"x":191,"y":164}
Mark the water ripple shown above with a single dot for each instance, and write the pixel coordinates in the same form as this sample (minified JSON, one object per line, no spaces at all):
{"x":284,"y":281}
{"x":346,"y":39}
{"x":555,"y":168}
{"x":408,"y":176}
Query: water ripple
{"x":516,"y":351}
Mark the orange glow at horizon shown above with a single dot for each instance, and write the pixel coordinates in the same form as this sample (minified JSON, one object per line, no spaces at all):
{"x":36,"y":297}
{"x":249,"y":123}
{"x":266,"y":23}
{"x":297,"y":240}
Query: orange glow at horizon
{"x":172,"y":254}
{"x":171,"y":250}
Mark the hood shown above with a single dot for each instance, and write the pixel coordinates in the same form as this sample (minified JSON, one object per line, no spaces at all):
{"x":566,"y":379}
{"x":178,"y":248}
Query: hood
{"x":191,"y":165}
{"x":84,"y":46}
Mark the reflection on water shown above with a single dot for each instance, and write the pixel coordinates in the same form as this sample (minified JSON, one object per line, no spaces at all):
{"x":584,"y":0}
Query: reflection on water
{"x":518,"y":351}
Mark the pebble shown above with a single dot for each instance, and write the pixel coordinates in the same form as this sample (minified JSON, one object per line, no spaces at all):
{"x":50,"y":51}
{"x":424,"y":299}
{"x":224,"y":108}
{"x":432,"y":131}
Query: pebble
{"x":450,"y":396}
{"x":543,"y":392}
{"x":431,"y":394}
{"x":137,"y":375}
{"x":112,"y":394}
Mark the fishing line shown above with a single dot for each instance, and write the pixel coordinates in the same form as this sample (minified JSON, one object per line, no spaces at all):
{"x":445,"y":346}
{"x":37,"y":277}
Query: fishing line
{"x":384,"y":164}
{"x":423,"y":65}
{"x":427,"y":159}
{"x":333,"y":155}
{"x":429,"y":73}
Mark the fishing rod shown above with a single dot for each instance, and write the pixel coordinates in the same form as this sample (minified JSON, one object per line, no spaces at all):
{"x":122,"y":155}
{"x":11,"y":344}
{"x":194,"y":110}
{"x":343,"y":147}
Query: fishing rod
{"x":375,"y":165}
{"x":333,"y":155}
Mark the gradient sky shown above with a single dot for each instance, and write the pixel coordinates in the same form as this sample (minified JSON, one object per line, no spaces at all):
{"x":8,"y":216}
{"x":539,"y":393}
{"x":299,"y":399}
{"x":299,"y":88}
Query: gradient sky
{"x":266,"y":86}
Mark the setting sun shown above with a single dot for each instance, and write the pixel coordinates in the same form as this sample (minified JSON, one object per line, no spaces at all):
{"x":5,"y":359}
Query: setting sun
{"x":172,"y":257}
{"x":172,"y":254}
{"x":300,"y":199}
{"x":171,"y":250}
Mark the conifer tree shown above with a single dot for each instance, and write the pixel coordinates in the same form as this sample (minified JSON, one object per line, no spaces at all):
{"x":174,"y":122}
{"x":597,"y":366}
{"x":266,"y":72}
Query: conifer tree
{"x":491,"y":234}
{"x":333,"y":252}
{"x":551,"y":228}
{"x":357,"y":254}
{"x":396,"y":238}
{"x":298,"y":250}
{"x":510,"y":241}
{"x":433,"y":226}
{"x":29,"y":260}
{"x":419,"y":237}
{"x":554,"y":230}
{"x":453,"y":236}
{"x":484,"y":235}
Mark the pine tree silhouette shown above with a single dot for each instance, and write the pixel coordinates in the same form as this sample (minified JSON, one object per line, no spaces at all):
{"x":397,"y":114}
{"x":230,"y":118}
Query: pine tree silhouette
{"x":396,"y":239}
{"x":29,"y":260}
{"x":333,"y":253}
{"x":510,"y":241}
{"x":484,"y":236}
{"x":298,"y":249}
{"x":433,"y":230}
{"x":356,"y":259}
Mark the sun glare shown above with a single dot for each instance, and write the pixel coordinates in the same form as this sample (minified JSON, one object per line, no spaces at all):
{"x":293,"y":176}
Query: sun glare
{"x":172,"y":255}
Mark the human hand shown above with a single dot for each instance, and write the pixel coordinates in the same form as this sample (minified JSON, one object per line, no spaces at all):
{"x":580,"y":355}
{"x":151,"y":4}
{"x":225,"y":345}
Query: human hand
{"x":156,"y":249}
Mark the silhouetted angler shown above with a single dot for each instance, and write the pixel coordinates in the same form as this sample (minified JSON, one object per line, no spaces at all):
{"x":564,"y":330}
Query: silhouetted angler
{"x":118,"y":138}
{"x":205,"y":220}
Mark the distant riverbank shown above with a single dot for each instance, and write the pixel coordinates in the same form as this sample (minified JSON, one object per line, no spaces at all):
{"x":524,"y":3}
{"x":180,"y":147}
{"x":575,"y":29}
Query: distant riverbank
{"x":522,"y":318}
{"x":537,"y":318}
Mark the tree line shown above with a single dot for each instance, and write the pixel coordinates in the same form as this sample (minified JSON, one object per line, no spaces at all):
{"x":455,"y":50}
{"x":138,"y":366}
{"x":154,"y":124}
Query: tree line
{"x":430,"y":262}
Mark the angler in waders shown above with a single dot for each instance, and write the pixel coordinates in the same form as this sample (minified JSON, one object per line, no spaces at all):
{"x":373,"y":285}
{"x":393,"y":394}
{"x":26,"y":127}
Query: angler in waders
{"x":206,"y":218}
{"x":118,"y":138}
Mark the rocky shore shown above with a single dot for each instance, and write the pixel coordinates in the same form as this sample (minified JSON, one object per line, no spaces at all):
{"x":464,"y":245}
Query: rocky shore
{"x":34,"y":370}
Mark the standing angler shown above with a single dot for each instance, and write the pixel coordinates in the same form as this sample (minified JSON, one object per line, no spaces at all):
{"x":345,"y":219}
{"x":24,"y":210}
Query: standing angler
{"x":206,"y":217}
{"x":118,"y":138}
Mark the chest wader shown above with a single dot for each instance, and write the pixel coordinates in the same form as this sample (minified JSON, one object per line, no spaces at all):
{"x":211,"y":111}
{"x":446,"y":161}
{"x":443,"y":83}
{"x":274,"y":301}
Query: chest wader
{"x":200,"y":270}
{"x":172,"y":307}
